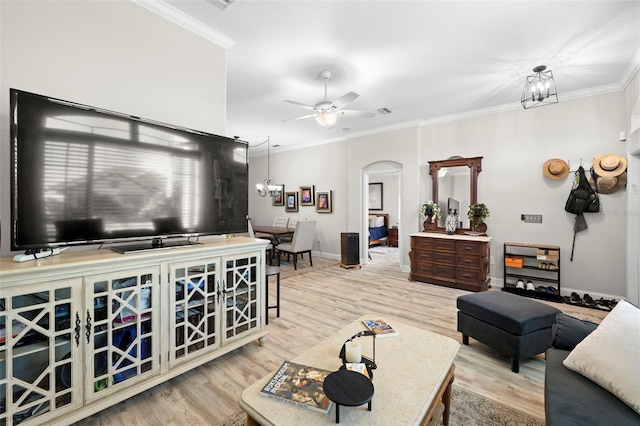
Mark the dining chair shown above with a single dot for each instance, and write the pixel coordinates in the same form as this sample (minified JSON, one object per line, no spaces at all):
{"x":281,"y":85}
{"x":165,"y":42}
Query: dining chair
{"x":281,"y":222}
{"x":268,"y":249}
{"x":293,"y":222}
{"x":301,"y":243}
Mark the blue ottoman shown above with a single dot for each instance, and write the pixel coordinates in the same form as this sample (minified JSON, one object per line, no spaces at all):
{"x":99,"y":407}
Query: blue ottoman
{"x":513,"y":325}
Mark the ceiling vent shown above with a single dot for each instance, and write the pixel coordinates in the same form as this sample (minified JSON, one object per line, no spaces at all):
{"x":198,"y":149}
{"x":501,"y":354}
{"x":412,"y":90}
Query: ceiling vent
{"x":384,"y":111}
{"x":222,"y":4}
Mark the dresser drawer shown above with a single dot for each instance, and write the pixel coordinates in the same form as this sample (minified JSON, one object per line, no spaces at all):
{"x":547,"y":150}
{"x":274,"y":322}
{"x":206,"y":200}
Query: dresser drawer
{"x":422,"y":255}
{"x":444,"y":271}
{"x":444,"y":258}
{"x":475,"y":247}
{"x":422,"y":243}
{"x":469,"y":275}
{"x":448,"y":245}
{"x":421,"y":268}
{"x":468,"y":261}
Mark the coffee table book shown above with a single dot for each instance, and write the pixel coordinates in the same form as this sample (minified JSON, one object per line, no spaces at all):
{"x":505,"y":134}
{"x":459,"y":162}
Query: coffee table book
{"x":299,"y":385}
{"x":380,"y":327}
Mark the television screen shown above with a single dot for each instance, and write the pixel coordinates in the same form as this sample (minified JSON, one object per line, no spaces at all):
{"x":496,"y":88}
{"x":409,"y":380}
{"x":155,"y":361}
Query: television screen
{"x":82,"y":175}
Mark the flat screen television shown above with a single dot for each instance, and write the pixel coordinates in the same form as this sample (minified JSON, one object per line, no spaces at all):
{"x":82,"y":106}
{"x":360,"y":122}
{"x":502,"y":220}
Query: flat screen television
{"x":85,"y":175}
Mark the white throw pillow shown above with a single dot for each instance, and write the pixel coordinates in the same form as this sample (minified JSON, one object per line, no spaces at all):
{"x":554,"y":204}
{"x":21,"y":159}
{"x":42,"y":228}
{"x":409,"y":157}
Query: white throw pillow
{"x":372,"y":221}
{"x":610,"y":355}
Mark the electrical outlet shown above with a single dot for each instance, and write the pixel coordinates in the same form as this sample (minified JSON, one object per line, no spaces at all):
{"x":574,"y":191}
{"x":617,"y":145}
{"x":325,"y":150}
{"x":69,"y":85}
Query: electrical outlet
{"x":531,"y":218}
{"x":491,"y":260}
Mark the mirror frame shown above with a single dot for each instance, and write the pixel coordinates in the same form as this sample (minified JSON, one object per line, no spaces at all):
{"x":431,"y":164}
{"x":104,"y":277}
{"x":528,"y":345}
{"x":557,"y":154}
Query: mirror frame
{"x":475,"y":166}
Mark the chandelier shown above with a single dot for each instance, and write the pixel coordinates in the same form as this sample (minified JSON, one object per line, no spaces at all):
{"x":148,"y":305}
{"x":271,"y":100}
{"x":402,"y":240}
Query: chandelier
{"x":539,"y":89}
{"x":268,"y":186}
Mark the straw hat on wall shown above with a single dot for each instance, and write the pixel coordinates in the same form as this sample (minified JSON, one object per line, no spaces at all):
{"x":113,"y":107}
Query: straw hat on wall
{"x":609,"y":184}
{"x":609,"y":165}
{"x":555,"y":168}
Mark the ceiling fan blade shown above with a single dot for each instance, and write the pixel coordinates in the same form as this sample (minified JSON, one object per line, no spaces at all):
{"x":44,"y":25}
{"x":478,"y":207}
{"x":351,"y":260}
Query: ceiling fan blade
{"x":344,"y":100}
{"x":354,"y":113}
{"x":309,"y":107}
{"x":301,"y":117}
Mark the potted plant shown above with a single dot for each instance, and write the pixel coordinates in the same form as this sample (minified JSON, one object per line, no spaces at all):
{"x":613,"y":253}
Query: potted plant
{"x":477,"y":213}
{"x":429,"y":210}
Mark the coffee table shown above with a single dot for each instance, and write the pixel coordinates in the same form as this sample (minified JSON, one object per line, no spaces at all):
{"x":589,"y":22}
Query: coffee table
{"x":415,"y":372}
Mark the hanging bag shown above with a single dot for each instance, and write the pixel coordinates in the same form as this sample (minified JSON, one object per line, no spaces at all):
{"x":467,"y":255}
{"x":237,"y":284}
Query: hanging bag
{"x":582,"y":198}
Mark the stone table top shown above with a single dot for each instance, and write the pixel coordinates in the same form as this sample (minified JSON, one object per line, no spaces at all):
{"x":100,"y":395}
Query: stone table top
{"x":412,"y":367}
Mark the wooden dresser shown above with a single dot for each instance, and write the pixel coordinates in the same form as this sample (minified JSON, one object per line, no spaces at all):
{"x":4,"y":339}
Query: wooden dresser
{"x":458,"y":261}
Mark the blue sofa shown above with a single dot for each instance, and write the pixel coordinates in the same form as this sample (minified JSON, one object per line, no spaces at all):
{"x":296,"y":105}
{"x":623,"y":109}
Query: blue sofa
{"x":569,"y":397}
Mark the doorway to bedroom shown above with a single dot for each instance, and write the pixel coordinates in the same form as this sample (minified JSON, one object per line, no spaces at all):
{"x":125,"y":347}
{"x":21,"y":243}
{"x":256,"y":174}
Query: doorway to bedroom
{"x":381,"y":213}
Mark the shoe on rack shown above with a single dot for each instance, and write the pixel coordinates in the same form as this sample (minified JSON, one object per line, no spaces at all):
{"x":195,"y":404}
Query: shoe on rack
{"x":552,"y":290}
{"x":552,"y":267}
{"x":575,"y":298}
{"x":541,"y":289}
{"x":542,"y":266}
{"x":520,"y":284}
{"x":530,"y":286}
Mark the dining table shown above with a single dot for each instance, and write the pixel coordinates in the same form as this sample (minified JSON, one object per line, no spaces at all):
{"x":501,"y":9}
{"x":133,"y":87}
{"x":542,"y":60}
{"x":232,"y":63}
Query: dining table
{"x":276,"y":231}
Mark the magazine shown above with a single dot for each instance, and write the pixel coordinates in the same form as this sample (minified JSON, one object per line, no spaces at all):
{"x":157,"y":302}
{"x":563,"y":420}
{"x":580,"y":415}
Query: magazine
{"x":299,"y":385}
{"x":380,"y":327}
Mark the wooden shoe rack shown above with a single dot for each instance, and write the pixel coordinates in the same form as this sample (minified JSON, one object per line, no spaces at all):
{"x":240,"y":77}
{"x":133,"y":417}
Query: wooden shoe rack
{"x":538,"y":263}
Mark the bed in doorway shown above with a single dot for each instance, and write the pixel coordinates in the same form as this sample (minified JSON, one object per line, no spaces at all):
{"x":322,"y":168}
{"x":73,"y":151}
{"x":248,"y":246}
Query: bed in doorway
{"x":378,"y":229}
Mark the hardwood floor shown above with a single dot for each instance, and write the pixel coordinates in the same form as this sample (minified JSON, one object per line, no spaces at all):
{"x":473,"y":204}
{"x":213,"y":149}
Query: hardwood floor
{"x":313,"y":306}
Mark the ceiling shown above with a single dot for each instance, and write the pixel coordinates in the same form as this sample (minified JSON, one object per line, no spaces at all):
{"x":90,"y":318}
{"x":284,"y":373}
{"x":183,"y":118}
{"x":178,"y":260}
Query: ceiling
{"x":426,"y":61}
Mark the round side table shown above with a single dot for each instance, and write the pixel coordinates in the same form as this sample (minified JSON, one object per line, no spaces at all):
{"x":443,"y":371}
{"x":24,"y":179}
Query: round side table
{"x":348,"y":388}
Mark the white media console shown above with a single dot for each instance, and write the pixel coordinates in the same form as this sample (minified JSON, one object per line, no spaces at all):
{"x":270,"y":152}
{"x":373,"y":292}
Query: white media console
{"x":82,"y":331}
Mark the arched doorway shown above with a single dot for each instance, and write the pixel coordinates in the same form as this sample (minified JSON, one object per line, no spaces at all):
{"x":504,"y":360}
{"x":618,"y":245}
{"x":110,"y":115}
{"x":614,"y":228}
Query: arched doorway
{"x":389,"y":173}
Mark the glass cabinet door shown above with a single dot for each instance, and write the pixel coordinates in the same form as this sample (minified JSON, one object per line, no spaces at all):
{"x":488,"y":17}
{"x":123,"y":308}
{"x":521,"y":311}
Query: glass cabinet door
{"x":40,"y":357}
{"x":122,"y":333}
{"x":241,"y":295}
{"x":195,"y":293}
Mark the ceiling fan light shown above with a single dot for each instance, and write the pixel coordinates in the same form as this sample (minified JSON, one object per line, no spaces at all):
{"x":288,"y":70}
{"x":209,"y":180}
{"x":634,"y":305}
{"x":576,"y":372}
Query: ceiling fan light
{"x":327,"y":118}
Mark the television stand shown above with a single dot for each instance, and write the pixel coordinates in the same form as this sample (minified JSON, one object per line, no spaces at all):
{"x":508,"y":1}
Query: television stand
{"x":155,"y":244}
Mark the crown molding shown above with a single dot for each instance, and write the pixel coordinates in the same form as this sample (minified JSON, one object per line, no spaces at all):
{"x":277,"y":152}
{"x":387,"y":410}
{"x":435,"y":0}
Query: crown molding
{"x":631,"y":70}
{"x":187,"y":22}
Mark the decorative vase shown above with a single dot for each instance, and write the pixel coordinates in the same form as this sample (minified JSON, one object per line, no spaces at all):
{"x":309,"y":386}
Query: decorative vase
{"x":429,"y":224}
{"x":451,"y":223}
{"x":482,"y":227}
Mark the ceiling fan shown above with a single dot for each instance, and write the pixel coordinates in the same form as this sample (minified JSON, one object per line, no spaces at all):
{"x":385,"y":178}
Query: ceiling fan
{"x":326,"y":112}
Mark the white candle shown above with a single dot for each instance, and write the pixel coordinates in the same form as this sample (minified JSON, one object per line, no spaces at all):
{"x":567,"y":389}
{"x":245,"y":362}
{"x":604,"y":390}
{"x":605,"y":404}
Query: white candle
{"x":353,"y":352}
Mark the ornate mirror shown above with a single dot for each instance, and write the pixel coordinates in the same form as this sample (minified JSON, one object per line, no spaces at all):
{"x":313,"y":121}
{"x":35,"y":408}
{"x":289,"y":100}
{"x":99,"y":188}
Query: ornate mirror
{"x":455,"y":185}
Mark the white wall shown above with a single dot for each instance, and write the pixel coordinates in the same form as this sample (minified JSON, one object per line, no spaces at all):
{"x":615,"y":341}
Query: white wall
{"x":632,"y":101}
{"x":114,"y":55}
{"x":324,"y":167}
{"x":514,"y":145}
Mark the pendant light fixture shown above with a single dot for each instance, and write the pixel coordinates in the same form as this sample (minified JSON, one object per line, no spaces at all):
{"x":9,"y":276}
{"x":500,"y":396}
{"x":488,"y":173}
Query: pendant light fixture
{"x":268,"y":186}
{"x":539,"y":89}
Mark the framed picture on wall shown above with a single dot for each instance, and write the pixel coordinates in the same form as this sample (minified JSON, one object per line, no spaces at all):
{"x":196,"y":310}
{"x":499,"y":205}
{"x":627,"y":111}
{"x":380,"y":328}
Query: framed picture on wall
{"x":307,"y":196}
{"x":375,"y":196}
{"x":323,"y":202}
{"x":278,"y":199}
{"x":291,"y":201}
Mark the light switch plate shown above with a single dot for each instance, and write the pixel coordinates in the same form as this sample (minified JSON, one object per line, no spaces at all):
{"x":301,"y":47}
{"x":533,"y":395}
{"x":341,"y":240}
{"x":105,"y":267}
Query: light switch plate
{"x":531,"y":218}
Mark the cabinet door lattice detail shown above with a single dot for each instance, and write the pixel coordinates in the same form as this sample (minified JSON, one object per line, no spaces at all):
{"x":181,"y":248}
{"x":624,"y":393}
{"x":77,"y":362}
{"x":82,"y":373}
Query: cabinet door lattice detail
{"x":38,"y":351}
{"x":196,"y":290}
{"x":121,"y":329}
{"x":241,"y":295}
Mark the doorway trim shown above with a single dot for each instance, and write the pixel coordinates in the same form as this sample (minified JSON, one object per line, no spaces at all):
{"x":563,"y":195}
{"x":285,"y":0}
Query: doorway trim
{"x":368,"y":172}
